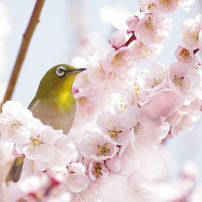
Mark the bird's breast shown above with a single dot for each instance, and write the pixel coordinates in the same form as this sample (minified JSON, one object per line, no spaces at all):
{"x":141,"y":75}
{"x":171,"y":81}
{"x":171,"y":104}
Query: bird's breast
{"x":58,"y":113}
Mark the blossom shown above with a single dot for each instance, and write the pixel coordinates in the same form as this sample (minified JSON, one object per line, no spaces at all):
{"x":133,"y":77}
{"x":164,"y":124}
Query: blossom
{"x":156,"y":77}
{"x":184,"y":4}
{"x":97,"y":171}
{"x":40,"y":146}
{"x":191,"y":32}
{"x":132,"y":23}
{"x":153,"y":29}
{"x":15,"y":122}
{"x":184,"y":80}
{"x":96,"y":147}
{"x":148,"y":6}
{"x":120,"y":61}
{"x":145,"y":53}
{"x":76,"y":179}
{"x":65,"y":153}
{"x":148,"y":131}
{"x":168,"y":6}
{"x":87,"y":195}
{"x":185,"y":55}
{"x":117,"y":39}
{"x":111,"y":127}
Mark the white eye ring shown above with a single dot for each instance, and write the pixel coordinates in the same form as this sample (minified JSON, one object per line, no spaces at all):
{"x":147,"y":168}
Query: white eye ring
{"x":60,"y":71}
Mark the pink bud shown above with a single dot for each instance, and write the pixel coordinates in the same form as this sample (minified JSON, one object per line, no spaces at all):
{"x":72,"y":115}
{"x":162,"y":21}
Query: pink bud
{"x":117,"y":39}
{"x":132,"y":23}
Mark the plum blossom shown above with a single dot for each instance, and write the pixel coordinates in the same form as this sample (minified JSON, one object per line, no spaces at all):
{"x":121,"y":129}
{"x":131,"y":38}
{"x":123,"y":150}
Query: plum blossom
{"x":191,"y":32}
{"x":76,"y":179}
{"x":65,"y":153}
{"x":148,"y":6}
{"x":185,"y":55}
{"x":120,"y":61}
{"x":163,"y":103}
{"x":168,"y":6}
{"x":87,"y":195}
{"x":40,"y":146}
{"x":156,"y":77}
{"x":111,"y":127}
{"x":148,"y":131}
{"x":132,"y":23}
{"x":88,"y":105}
{"x":153,"y":29}
{"x":117,"y":39}
{"x":15,"y":122}
{"x":96,"y":147}
{"x":184,"y":80}
{"x":99,"y":75}
{"x":185,"y":4}
{"x":98,"y":171}
{"x":145,"y":53}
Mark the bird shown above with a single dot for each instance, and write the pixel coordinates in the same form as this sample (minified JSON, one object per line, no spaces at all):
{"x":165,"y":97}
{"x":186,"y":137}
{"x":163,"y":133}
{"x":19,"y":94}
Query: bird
{"x":54,"y":104}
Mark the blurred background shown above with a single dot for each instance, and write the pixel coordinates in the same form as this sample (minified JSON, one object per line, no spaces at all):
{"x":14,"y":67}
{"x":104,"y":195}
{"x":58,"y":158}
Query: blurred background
{"x":71,"y":28}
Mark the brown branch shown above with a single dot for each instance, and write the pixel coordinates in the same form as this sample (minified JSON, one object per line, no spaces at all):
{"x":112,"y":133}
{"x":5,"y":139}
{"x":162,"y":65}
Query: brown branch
{"x":23,"y":50}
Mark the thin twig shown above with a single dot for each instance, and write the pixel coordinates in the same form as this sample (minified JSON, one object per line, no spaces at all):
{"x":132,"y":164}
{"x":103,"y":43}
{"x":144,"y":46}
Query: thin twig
{"x":23,"y":50}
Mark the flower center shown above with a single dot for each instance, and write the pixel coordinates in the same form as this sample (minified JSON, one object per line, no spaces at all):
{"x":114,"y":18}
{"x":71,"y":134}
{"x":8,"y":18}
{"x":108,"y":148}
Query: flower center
{"x":117,"y":57}
{"x":184,"y":53}
{"x":137,"y":128}
{"x":156,"y":82}
{"x":178,"y":80}
{"x":103,"y":150}
{"x":82,"y":101}
{"x":149,"y":24}
{"x":97,"y":172}
{"x":15,"y":124}
{"x":35,"y":142}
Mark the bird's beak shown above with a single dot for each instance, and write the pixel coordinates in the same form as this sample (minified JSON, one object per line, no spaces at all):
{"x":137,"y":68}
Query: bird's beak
{"x":78,"y":70}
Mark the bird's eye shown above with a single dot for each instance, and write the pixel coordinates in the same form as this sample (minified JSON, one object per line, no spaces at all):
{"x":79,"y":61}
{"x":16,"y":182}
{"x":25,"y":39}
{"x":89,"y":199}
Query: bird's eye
{"x":60,"y":71}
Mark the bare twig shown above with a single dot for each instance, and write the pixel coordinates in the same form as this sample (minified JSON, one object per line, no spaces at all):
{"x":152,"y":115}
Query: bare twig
{"x":23,"y":50}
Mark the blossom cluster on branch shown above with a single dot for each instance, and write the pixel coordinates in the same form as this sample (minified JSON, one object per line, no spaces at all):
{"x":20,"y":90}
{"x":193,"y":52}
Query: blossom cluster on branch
{"x":123,"y":116}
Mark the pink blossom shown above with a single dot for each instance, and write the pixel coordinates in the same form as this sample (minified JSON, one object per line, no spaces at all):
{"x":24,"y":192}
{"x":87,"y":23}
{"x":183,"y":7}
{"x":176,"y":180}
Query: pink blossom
{"x":65,"y":153}
{"x":184,"y":118}
{"x":153,"y":29}
{"x":87,"y":195}
{"x":191,"y":32}
{"x":96,"y":147}
{"x":156,"y":77}
{"x":145,"y":53}
{"x":120,"y":61}
{"x":99,"y":75}
{"x":76,"y":178}
{"x":148,"y":6}
{"x":132,"y":23}
{"x":40,"y":146}
{"x":163,"y":103}
{"x":111,"y":127}
{"x":117,"y":39}
{"x":15,"y":122}
{"x":185,"y":4}
{"x":148,"y":131}
{"x":184,"y":80}
{"x":168,"y":6}
{"x":97,"y":171}
{"x":88,"y":105}
{"x":121,"y":165}
{"x":185,"y":55}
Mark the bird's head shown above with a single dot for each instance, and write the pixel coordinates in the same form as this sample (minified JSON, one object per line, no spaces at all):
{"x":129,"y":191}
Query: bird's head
{"x":57,"y":80}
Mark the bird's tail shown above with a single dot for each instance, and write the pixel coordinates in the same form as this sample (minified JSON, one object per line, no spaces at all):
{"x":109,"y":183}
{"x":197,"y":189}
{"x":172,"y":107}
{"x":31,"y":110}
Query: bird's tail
{"x":15,"y":170}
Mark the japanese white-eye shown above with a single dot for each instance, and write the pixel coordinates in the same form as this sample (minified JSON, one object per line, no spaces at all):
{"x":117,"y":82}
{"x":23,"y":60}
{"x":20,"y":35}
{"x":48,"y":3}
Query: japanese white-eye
{"x":53,"y":104}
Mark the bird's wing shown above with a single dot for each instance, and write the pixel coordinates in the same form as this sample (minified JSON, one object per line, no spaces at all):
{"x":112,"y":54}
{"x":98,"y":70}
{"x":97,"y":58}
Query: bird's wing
{"x":33,"y":104}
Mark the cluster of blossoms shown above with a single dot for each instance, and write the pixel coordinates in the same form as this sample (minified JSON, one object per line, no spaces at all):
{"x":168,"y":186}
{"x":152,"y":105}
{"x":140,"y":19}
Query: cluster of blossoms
{"x":123,"y":116}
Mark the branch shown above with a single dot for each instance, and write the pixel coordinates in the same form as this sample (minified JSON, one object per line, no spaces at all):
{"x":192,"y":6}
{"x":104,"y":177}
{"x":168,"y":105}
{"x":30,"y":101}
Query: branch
{"x":23,"y":50}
